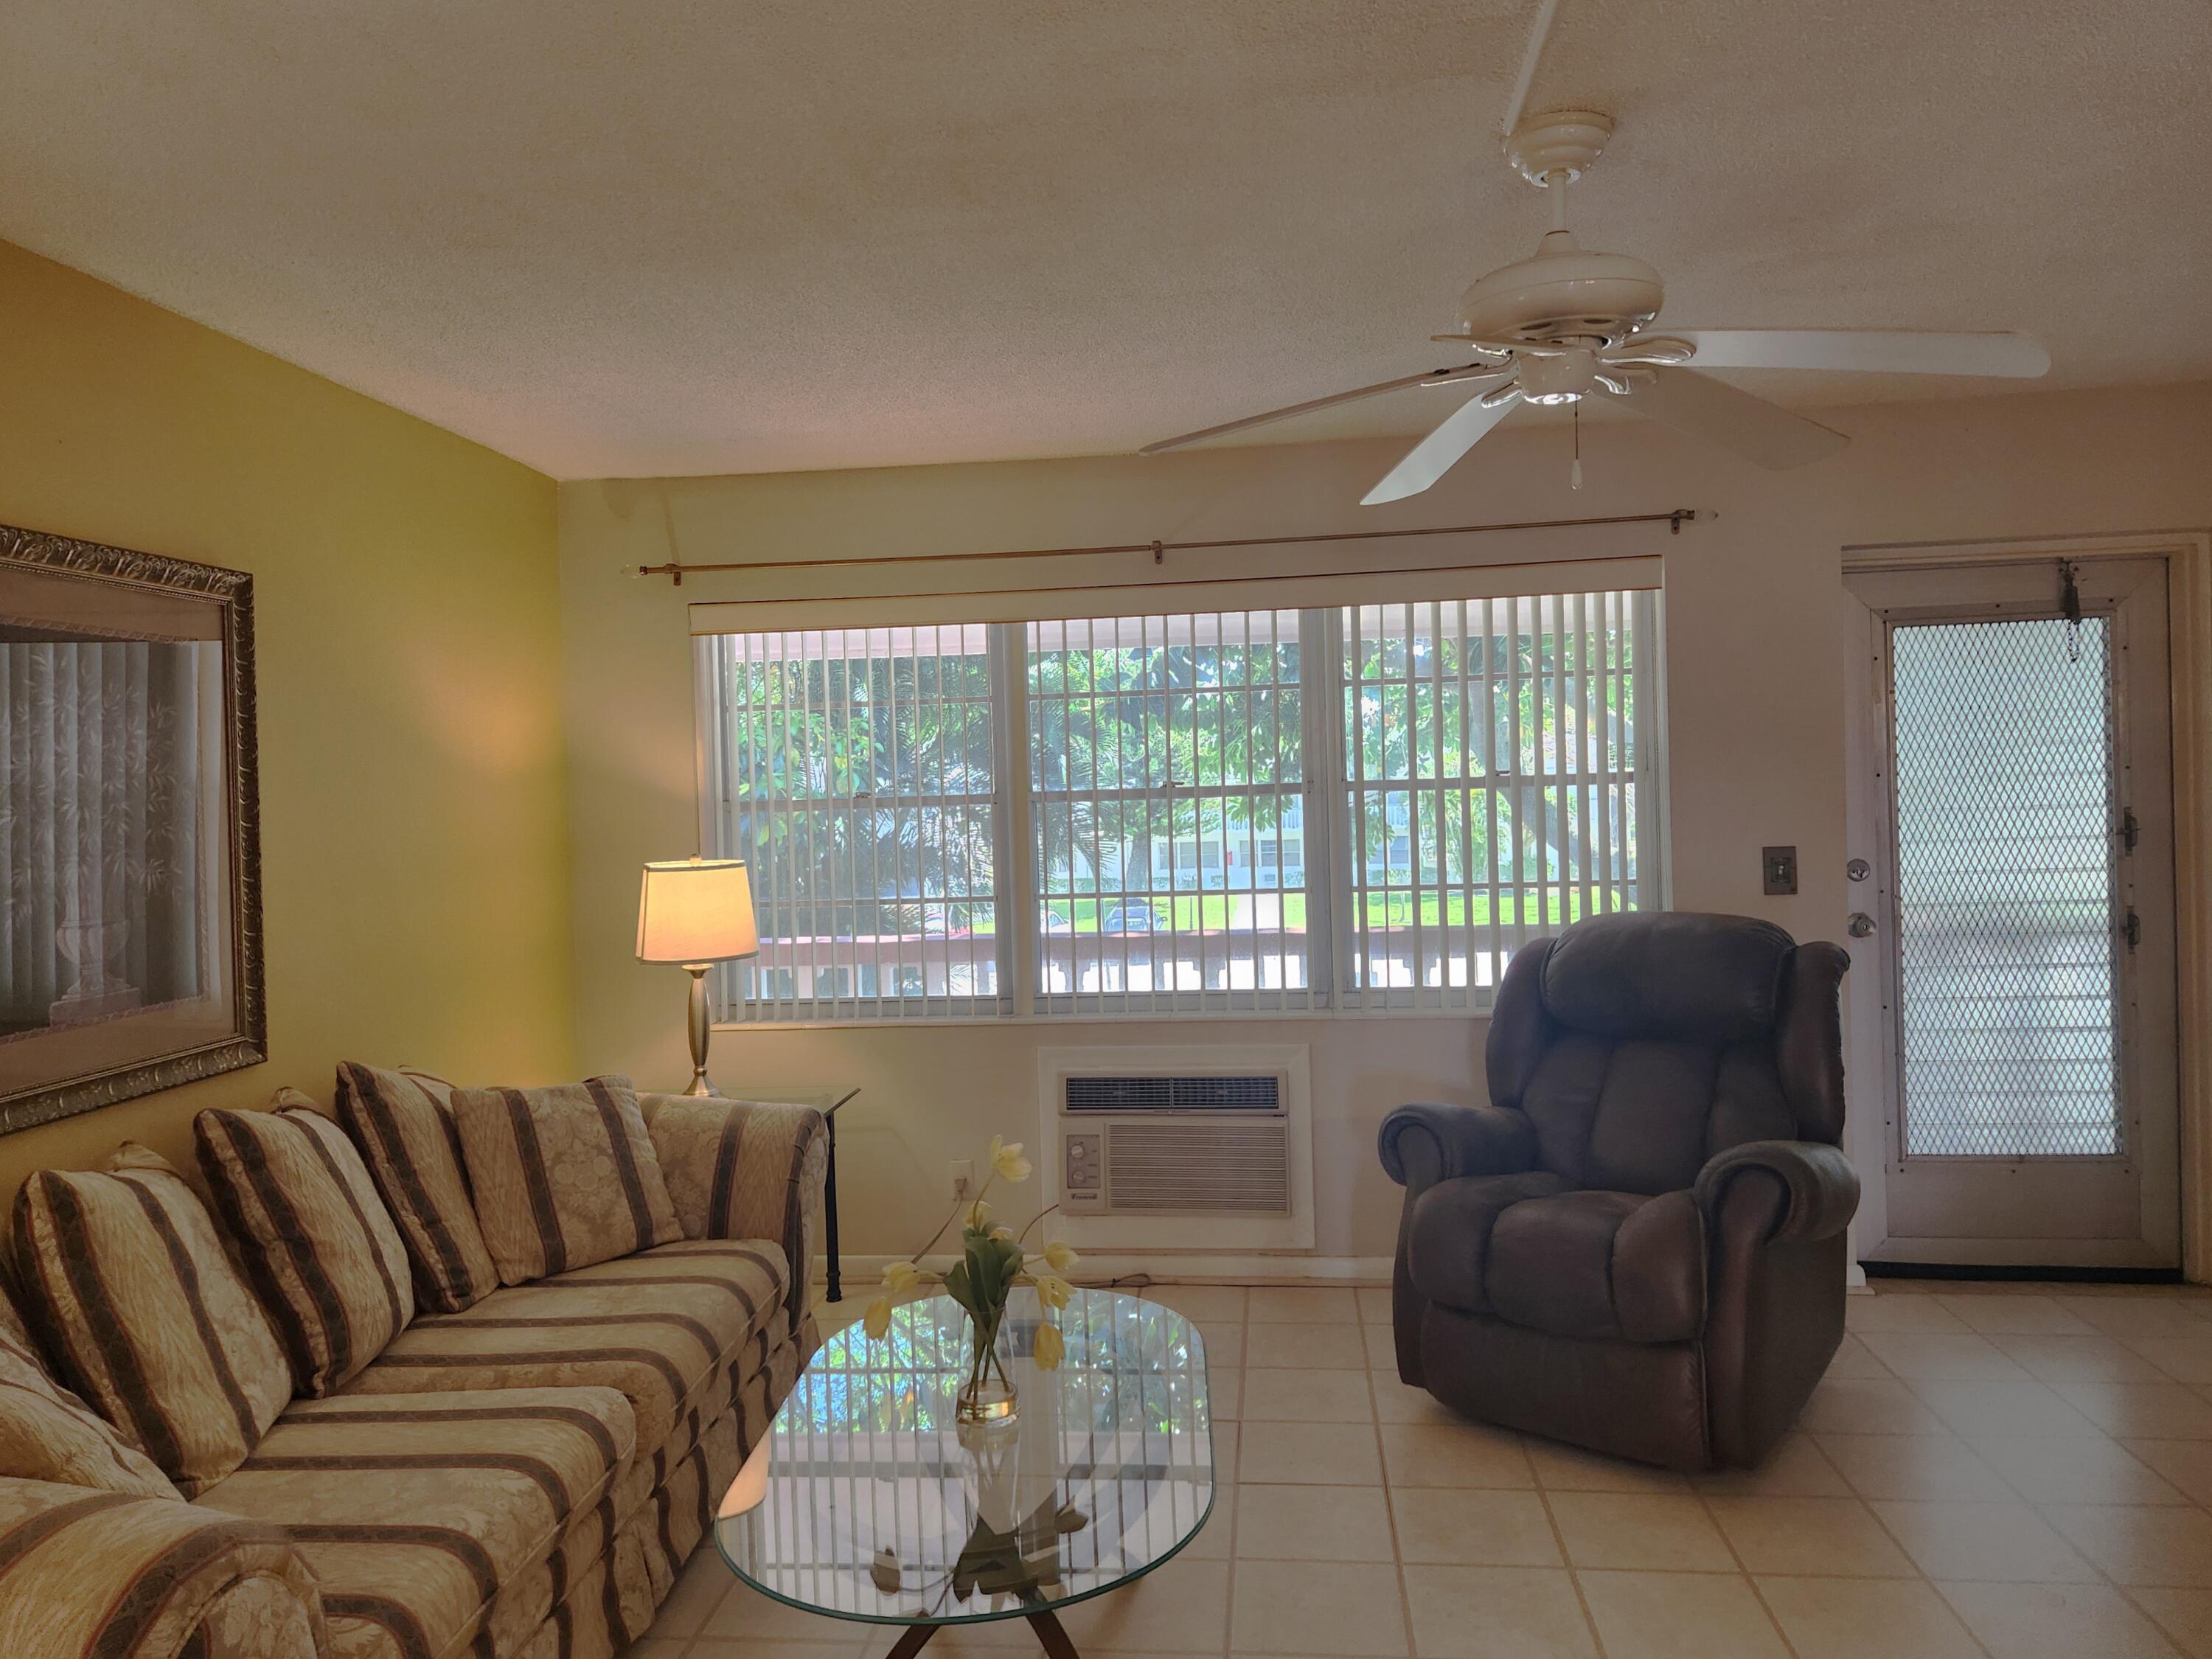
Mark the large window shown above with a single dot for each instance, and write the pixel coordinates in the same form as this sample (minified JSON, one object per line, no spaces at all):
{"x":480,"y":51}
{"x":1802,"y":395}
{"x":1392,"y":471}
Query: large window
{"x":1359,"y":808}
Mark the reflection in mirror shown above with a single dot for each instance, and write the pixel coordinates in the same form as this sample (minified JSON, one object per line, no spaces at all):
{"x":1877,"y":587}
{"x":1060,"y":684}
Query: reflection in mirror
{"x":113,"y":857}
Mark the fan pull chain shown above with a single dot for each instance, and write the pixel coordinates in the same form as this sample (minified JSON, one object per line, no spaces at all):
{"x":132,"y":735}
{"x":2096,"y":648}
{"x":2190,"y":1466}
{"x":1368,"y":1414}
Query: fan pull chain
{"x":2069,"y":606}
{"x":1575,"y":472}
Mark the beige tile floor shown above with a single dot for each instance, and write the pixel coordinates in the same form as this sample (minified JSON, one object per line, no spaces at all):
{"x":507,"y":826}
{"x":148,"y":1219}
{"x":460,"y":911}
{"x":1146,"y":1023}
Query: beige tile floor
{"x":2018,"y":1472}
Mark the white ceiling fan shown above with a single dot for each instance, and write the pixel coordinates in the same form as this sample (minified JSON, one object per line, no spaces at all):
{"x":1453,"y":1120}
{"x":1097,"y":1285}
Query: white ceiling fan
{"x":1568,"y":324}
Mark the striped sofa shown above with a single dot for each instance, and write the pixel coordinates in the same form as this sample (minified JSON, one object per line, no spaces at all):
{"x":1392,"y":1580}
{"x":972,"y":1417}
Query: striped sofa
{"x":521,"y":1479}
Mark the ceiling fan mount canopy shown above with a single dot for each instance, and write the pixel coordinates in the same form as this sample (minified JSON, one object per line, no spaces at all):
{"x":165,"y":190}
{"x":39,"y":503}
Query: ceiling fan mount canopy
{"x":1561,"y":144}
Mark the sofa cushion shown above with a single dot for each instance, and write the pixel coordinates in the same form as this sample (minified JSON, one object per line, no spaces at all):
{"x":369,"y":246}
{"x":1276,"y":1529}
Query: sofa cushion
{"x":403,"y":1123}
{"x":658,"y":1326}
{"x":1448,"y":1246}
{"x":563,"y":1177}
{"x":417,"y":1511}
{"x":151,"y":1323}
{"x":315,"y":1237}
{"x":48,"y":1433}
{"x":1600,"y":1264}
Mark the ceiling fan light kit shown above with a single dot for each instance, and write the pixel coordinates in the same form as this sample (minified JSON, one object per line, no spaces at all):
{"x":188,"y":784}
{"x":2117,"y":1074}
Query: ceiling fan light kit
{"x":1568,"y":323}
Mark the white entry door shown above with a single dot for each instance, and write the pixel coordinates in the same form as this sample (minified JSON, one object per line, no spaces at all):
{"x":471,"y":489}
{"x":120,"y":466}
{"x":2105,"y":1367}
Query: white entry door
{"x":2017,"y":901}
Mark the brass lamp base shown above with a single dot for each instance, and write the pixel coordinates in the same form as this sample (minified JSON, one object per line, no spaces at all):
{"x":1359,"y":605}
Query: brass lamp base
{"x":702,"y":1029}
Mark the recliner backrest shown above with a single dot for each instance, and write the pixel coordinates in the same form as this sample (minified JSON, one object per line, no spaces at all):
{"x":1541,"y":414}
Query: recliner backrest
{"x":1641,"y":1044}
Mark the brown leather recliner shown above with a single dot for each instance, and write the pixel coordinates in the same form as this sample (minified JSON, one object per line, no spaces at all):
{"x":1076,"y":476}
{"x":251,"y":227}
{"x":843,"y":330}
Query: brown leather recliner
{"x":1638,"y":1245}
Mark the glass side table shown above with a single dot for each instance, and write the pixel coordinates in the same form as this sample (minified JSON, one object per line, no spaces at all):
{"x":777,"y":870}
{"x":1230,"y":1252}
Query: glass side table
{"x":867,"y":1502}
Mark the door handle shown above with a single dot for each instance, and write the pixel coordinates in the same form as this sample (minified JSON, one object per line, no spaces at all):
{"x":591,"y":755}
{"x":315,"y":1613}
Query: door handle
{"x":1860,"y":925}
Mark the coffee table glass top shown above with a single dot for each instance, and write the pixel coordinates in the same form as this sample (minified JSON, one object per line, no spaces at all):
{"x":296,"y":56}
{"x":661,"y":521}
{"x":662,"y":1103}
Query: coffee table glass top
{"x":868,"y":1501}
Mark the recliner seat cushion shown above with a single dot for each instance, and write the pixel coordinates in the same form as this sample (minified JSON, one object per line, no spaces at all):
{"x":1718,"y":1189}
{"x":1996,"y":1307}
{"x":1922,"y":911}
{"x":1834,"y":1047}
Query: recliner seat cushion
{"x":1600,"y":1264}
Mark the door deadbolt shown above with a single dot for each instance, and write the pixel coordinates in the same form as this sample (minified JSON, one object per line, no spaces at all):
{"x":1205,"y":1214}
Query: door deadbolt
{"x":1858,"y":869}
{"x":1860,"y":925}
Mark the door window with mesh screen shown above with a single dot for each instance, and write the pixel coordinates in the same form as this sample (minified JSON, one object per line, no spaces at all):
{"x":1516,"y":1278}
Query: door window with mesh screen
{"x":1167,"y":768}
{"x":855,"y":772}
{"x":1496,"y":763}
{"x":2005,"y":879}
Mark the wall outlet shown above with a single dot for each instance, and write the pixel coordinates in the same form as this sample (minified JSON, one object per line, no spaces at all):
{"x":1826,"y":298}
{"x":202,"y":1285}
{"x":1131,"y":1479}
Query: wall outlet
{"x":963,"y":1180}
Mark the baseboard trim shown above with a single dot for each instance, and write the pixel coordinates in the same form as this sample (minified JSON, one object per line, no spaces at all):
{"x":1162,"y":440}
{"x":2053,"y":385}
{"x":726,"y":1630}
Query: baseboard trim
{"x":2007,"y":1274}
{"x":863,"y":1273}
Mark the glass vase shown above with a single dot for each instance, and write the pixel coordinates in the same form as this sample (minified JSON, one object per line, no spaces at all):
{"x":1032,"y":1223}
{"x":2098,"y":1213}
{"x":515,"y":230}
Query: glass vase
{"x":986,"y":1393}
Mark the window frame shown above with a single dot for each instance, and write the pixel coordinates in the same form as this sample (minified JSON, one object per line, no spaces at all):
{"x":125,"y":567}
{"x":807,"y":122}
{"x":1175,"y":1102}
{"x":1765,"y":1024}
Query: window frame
{"x":1328,"y":839}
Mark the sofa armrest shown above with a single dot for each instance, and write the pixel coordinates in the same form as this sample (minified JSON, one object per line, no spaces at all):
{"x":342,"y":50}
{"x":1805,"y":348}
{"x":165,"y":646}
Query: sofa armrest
{"x":1818,"y":1189}
{"x":88,"y":1571}
{"x":746,"y":1168}
{"x":1422,"y":1145}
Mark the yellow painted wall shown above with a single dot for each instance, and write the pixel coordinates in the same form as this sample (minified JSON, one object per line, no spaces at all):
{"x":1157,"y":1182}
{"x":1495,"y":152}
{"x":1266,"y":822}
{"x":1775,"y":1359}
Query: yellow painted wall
{"x":413,"y":836}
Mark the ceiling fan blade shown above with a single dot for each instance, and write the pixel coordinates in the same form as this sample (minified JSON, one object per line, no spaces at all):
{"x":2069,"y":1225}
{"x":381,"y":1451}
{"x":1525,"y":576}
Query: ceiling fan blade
{"x":1432,"y":377}
{"x":1760,"y":431}
{"x":1888,"y":351}
{"x":1437,"y":454}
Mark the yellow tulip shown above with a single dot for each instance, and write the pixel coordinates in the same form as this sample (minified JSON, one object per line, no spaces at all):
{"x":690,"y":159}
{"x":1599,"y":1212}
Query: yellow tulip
{"x":1007,"y":1159}
{"x":1002,"y":1232}
{"x":1049,"y":1349}
{"x":877,"y":1321}
{"x":1061,"y":1258}
{"x":899,"y":1277}
{"x":1054,"y":1292}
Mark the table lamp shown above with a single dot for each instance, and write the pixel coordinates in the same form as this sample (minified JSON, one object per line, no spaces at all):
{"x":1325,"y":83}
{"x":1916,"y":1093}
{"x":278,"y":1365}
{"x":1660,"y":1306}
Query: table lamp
{"x":695,"y":913}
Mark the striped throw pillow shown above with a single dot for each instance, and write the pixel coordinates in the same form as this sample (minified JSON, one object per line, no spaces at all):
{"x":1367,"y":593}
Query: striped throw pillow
{"x":316,"y":1240}
{"x":48,"y":1433}
{"x":127,"y":1278}
{"x":563,"y":1177}
{"x":403,"y":1123}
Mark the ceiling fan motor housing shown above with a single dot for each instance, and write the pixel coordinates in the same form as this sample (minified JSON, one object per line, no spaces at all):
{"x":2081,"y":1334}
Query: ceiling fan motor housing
{"x":1564,"y":294}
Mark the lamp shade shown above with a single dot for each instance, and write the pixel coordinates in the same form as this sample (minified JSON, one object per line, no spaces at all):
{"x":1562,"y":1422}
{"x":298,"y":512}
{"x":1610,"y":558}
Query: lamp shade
{"x":694,"y":910}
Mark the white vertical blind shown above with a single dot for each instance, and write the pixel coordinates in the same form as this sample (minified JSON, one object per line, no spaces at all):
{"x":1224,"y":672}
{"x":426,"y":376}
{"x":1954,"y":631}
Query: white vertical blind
{"x":1166,"y":776}
{"x":1492,"y":785}
{"x":853,"y":770}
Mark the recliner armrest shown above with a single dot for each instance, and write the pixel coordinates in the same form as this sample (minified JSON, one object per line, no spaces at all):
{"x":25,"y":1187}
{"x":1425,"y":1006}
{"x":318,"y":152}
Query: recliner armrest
{"x":1423,"y":1144}
{"x":1819,"y":1187}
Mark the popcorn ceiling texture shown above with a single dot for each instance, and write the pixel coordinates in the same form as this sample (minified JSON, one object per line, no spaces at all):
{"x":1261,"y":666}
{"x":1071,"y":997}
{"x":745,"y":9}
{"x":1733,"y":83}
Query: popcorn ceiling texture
{"x":695,"y":237}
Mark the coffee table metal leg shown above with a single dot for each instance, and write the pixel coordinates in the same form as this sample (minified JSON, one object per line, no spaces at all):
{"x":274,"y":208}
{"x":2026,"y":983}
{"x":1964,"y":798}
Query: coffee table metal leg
{"x":1051,"y":1637}
{"x":912,"y":1640}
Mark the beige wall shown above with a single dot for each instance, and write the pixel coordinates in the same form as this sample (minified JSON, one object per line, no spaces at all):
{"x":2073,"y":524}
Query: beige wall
{"x":414,"y":853}
{"x":1757,"y":627}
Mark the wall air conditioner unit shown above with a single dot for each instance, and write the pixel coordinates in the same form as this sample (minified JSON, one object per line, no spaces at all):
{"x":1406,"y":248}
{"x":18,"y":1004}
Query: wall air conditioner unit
{"x":1199,"y":1148}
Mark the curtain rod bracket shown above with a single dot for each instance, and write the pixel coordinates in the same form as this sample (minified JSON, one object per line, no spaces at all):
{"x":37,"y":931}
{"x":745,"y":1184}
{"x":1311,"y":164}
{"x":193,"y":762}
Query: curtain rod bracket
{"x":1679,"y":517}
{"x":1159,"y":554}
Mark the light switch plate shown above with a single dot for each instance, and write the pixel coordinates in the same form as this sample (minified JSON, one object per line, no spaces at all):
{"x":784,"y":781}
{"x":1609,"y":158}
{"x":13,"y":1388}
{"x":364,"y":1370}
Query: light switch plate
{"x":1778,"y":866}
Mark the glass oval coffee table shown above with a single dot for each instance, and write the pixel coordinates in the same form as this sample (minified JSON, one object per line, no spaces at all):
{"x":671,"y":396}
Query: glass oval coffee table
{"x":867,"y":1501}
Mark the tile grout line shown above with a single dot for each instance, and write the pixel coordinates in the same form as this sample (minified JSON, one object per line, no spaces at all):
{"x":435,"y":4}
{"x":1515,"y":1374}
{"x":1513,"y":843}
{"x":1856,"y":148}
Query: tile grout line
{"x":1382,"y":1472}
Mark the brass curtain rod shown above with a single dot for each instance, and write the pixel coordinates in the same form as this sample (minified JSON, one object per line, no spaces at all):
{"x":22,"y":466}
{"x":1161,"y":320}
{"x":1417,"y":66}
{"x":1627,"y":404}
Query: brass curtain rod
{"x":675,"y":568}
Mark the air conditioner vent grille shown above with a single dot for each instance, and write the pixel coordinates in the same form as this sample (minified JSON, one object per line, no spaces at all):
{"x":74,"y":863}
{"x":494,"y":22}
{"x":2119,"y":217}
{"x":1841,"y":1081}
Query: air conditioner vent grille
{"x":1239,"y":1169}
{"x":1259,"y":1093}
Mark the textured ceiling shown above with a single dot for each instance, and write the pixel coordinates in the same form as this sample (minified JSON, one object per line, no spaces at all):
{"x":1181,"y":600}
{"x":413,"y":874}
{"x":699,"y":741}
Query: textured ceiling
{"x":675,"y":237}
